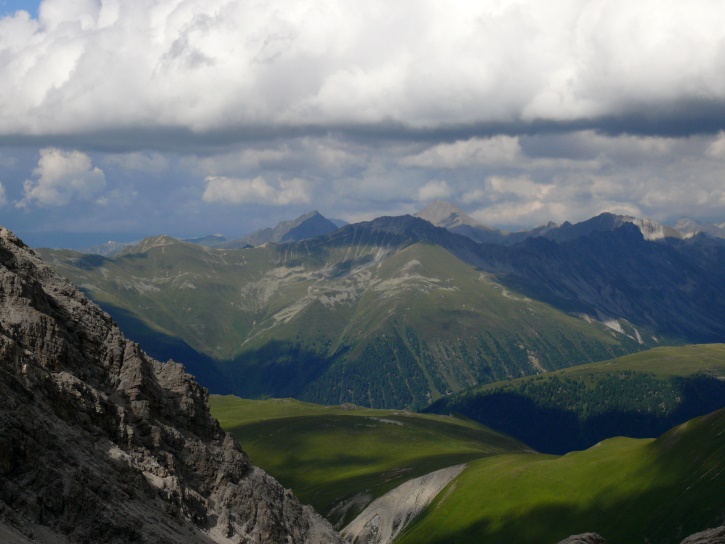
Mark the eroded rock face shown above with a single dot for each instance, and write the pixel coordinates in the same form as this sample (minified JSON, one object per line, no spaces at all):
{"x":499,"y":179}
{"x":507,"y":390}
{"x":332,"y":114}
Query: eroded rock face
{"x":99,"y":443}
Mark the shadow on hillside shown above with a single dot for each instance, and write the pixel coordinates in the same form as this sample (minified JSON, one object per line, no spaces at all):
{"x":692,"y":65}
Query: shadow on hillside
{"x":163,"y":347}
{"x":277,"y":369}
{"x":681,"y":494}
{"x":89,"y":262}
{"x":558,"y":431}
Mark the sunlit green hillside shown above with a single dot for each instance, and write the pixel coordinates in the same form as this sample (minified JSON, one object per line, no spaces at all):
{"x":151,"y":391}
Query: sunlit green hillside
{"x":628,"y":490}
{"x":327,"y":455}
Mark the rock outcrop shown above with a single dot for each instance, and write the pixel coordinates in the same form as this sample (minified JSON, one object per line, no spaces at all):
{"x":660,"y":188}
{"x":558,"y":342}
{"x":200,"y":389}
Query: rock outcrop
{"x":585,"y":538}
{"x":388,"y":516}
{"x":710,"y":536}
{"x":100,"y":443}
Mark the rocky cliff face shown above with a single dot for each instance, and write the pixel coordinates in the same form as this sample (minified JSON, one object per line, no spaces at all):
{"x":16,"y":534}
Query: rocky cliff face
{"x":100,"y":443}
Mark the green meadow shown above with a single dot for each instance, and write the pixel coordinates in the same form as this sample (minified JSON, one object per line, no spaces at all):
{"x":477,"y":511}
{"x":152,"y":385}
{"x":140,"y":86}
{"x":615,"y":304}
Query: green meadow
{"x":628,"y":490}
{"x":328,"y":454}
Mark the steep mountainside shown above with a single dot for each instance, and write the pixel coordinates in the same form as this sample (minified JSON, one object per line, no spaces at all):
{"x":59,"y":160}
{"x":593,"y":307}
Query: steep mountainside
{"x":385,"y":313}
{"x":99,"y":443}
{"x":676,"y":287}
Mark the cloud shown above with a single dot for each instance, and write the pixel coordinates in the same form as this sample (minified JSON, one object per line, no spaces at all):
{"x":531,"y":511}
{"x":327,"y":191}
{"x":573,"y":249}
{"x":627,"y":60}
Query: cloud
{"x":118,"y":198}
{"x":3,"y":198}
{"x":522,"y":186}
{"x":62,"y":176}
{"x":257,"y":190}
{"x":716,"y":150}
{"x":228,"y":68}
{"x":433,"y":190}
{"x":152,"y":163}
{"x":467,"y":153}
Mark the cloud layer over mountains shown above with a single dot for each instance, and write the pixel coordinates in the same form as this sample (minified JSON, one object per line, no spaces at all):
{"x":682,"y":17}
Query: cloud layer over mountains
{"x":523,"y":111}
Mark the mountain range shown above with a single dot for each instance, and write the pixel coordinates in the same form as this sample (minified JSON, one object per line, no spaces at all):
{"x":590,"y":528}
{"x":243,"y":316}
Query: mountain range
{"x":101,"y":443}
{"x":305,"y":226}
{"x":444,"y":214}
{"x":397,"y":312}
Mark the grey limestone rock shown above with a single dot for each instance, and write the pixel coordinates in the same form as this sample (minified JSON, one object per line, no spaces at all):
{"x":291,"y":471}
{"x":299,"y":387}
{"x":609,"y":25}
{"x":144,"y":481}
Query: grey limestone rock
{"x":100,"y":443}
{"x":711,"y":536}
{"x":584,"y":538}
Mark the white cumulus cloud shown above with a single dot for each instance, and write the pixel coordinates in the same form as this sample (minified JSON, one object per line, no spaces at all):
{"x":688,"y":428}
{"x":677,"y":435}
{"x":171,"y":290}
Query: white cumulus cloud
{"x":433,"y":190}
{"x":467,"y":153}
{"x":60,"y":177}
{"x":256,"y":190}
{"x":205,"y":65}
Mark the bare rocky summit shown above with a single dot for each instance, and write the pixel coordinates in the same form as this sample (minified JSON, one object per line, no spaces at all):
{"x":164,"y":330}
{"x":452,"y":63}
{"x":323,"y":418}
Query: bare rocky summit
{"x":100,"y":443}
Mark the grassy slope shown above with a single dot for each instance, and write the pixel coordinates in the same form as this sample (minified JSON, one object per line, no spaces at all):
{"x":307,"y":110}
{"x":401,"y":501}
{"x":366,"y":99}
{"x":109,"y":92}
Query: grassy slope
{"x":664,"y":362}
{"x":628,"y":490}
{"x":638,"y":395}
{"x":326,"y":454}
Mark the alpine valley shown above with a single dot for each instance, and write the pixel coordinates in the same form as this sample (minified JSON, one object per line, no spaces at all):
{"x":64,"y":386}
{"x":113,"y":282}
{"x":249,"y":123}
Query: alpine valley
{"x":397,"y":312}
{"x":563,"y":380}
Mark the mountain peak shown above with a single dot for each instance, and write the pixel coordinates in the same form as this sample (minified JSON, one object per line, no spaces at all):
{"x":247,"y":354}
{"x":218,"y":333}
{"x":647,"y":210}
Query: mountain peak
{"x":442,"y":213}
{"x":689,"y":228}
{"x":651,"y":230}
{"x":308,"y":225}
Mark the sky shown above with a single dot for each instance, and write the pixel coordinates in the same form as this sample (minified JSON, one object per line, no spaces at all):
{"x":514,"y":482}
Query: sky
{"x":121,"y":118}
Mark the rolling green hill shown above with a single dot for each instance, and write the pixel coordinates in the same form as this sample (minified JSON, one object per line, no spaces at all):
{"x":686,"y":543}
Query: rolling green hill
{"x":628,"y":490}
{"x":639,"y":395}
{"x":337,"y":456}
{"x":379,"y":314}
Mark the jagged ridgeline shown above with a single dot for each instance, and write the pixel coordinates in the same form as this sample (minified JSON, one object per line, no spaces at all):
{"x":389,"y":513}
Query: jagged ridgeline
{"x":390,"y":313}
{"x":100,"y":443}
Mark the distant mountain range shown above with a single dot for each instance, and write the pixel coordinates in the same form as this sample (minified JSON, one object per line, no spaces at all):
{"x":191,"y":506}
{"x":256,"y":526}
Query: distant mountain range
{"x":441,"y":214}
{"x":444,"y":214}
{"x":397,"y":312}
{"x":305,"y":226}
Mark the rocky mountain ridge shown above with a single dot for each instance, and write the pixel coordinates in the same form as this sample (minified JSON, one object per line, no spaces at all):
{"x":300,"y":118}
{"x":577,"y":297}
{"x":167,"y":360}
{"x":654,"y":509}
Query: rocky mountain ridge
{"x":100,"y":443}
{"x":446,"y":215}
{"x":305,"y":226}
